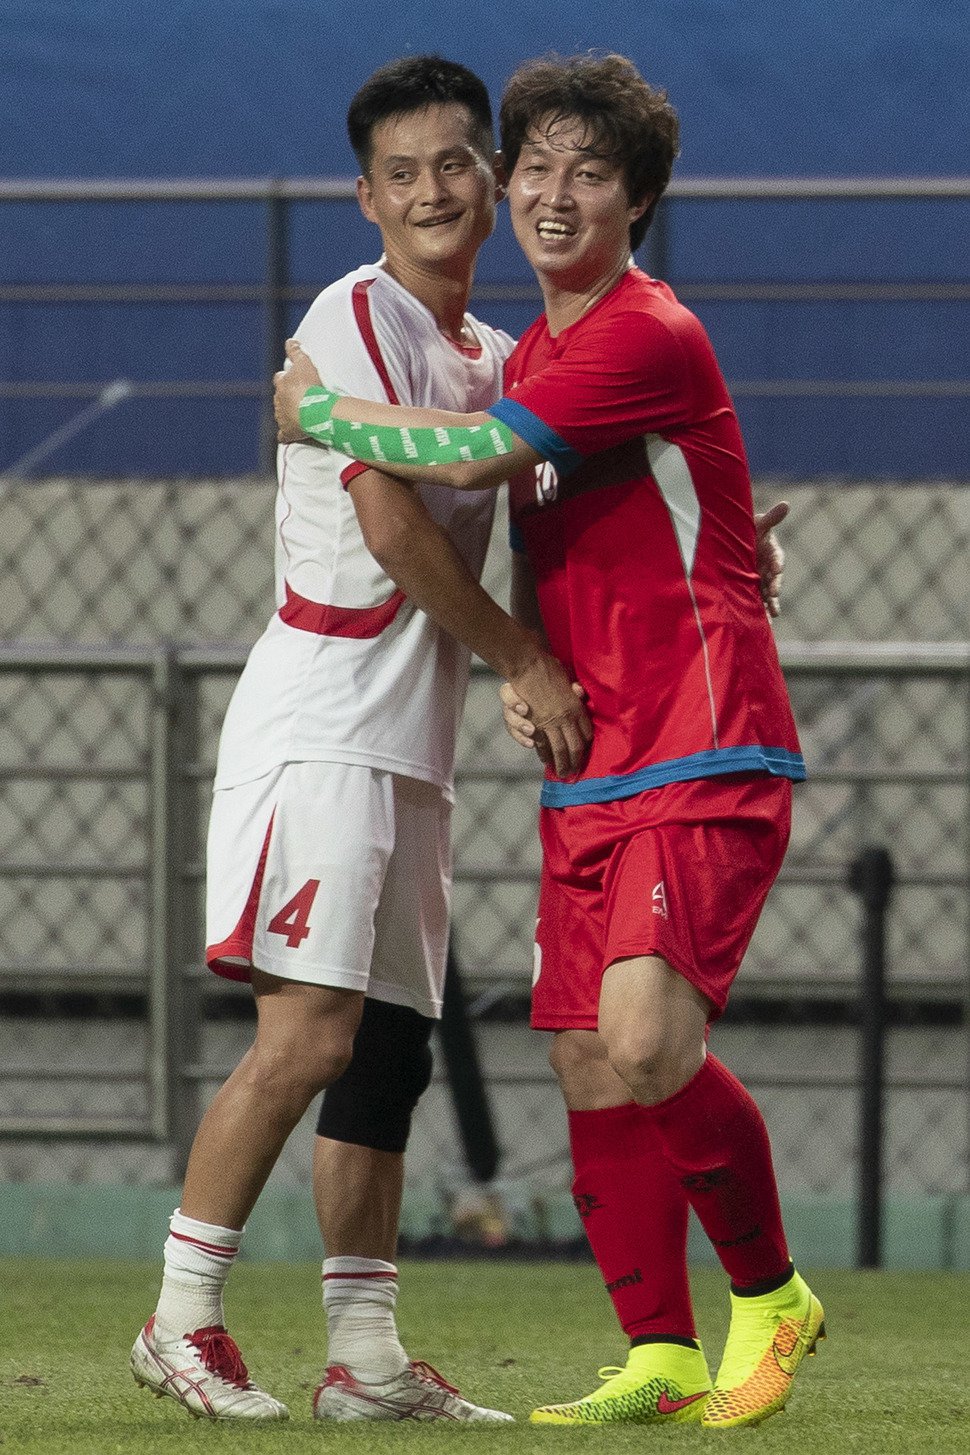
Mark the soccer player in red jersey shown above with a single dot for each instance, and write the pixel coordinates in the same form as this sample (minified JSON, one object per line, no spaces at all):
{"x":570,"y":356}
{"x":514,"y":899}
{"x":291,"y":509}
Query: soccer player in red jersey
{"x":632,"y":517}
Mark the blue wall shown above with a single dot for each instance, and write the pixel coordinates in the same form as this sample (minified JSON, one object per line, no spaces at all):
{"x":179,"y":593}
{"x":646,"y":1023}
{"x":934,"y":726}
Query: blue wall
{"x":260,"y":88}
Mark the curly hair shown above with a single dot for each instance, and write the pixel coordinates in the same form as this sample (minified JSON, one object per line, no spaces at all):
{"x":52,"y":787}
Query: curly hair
{"x":626,"y":120}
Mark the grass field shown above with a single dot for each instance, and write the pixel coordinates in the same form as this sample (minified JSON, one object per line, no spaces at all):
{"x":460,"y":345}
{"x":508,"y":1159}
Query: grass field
{"x":891,"y":1377}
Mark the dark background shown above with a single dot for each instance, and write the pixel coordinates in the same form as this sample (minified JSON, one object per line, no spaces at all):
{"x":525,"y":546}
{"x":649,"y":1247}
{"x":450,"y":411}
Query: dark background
{"x":260,"y":89}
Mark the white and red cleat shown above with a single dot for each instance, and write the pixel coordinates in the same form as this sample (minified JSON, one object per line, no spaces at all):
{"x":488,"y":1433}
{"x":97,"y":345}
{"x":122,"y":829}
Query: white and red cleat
{"x":204,"y":1371}
{"x":417,"y":1393}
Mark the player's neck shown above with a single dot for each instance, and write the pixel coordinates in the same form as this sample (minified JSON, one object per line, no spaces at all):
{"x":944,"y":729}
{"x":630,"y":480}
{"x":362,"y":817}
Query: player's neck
{"x":567,"y":300}
{"x":444,"y":294}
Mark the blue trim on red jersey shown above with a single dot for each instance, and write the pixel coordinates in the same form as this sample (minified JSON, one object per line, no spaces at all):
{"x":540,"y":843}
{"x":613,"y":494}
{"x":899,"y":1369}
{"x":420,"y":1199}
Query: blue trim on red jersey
{"x":516,"y":538}
{"x":536,"y":432}
{"x":777,"y":761}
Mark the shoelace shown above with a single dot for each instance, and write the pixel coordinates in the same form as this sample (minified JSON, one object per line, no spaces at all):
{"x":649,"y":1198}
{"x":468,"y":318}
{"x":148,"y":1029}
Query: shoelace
{"x":426,"y":1371}
{"x":220,"y":1355}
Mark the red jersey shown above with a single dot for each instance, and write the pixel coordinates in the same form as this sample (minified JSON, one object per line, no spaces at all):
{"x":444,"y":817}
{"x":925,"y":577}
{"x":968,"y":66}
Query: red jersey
{"x":640,"y":530}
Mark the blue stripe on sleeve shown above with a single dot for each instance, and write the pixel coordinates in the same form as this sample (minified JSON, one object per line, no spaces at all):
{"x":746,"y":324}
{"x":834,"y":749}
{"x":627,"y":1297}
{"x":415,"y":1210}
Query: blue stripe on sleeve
{"x":778,"y":761}
{"x":516,"y":538}
{"x":536,"y":432}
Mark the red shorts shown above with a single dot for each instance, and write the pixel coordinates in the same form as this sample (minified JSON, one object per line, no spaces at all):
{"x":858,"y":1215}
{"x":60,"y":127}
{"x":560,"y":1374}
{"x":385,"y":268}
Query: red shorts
{"x":680,"y":871}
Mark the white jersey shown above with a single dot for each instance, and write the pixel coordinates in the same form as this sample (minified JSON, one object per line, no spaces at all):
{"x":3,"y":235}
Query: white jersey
{"x":348,"y":670}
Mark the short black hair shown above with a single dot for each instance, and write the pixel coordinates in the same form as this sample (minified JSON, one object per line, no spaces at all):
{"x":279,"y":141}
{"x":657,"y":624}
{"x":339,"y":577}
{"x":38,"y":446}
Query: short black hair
{"x":625,"y":119}
{"x":411,"y":84}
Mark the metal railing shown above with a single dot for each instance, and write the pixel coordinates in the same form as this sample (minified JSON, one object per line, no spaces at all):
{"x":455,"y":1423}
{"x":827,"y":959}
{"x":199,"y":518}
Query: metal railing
{"x":173,"y":766}
{"x":276,"y":292}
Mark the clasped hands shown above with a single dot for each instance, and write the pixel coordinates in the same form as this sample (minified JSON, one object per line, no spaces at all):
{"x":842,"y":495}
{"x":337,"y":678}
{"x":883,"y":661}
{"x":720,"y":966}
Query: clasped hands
{"x":543,"y":710}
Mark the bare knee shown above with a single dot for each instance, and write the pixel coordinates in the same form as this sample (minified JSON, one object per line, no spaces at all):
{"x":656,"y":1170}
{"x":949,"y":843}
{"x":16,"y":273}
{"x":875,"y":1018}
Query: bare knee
{"x":295,"y":1056}
{"x":652,"y":1065}
{"x":304,"y":1037}
{"x":575,"y":1053}
{"x":284,"y":1069}
{"x":585,"y":1076}
{"x":653,"y":1024}
{"x":638,"y":1058}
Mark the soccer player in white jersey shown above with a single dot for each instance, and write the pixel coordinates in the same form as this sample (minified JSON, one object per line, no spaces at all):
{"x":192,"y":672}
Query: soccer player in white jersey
{"x":329,"y":853}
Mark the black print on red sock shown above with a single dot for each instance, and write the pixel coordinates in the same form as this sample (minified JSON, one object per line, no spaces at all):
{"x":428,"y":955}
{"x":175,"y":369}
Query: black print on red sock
{"x":736,"y":1242}
{"x":627,"y":1281}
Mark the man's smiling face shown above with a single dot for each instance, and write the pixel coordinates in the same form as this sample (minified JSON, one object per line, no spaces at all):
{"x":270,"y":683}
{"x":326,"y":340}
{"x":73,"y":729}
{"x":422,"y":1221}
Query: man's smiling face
{"x":430,"y":190}
{"x":569,"y":205}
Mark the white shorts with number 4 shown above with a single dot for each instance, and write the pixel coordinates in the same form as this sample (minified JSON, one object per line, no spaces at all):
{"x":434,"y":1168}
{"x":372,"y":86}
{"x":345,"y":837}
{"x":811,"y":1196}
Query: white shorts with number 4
{"x":332,"y":874}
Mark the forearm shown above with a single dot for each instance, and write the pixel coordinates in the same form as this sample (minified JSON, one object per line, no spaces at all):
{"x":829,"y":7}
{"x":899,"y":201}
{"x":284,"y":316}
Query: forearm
{"x":424,"y":563}
{"x":523,"y":597}
{"x":464,"y":451}
{"x":446,"y":590}
{"x":378,"y":413}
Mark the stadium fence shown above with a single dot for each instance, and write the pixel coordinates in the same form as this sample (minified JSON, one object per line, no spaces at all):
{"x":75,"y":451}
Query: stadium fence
{"x":127,"y":607}
{"x":115,"y":1036}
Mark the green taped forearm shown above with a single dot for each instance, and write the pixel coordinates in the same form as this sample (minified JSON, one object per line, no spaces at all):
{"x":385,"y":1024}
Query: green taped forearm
{"x":384,"y":444}
{"x":316,"y":407}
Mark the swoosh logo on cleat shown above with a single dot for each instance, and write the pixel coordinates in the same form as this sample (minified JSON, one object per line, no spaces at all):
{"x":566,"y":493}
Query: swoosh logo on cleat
{"x":785,"y":1347}
{"x":668,"y":1406}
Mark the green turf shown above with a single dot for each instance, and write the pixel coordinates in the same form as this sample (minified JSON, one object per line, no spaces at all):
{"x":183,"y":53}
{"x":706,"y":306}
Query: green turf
{"x":890,"y":1377}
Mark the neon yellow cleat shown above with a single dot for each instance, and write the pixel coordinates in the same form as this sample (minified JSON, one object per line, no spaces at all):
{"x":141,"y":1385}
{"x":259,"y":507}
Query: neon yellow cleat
{"x":767,"y":1341}
{"x":662,"y":1384}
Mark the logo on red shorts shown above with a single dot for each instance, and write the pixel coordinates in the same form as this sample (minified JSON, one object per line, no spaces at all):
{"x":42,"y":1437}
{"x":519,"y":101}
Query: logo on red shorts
{"x":659,"y":897}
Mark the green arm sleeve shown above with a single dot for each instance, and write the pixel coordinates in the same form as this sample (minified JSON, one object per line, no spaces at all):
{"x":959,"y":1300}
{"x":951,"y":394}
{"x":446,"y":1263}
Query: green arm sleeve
{"x":382,"y":444}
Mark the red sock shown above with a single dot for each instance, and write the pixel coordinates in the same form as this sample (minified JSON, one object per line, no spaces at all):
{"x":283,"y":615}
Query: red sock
{"x":635,"y":1215}
{"x":716,"y":1141}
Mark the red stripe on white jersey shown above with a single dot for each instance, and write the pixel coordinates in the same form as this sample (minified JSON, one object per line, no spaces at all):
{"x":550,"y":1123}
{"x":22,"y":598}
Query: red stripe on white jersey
{"x":470,"y":351}
{"x":360,"y":622}
{"x":366,"y":325}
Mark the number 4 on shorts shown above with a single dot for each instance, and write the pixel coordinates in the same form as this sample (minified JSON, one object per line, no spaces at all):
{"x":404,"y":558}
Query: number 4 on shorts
{"x":293,"y":920}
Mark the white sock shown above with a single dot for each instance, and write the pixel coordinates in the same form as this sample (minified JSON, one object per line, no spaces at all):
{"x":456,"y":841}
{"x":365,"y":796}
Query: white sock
{"x":198,"y":1257}
{"x":359,"y":1295}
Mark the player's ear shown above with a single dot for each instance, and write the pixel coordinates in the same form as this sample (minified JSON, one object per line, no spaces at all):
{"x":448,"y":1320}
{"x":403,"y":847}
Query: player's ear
{"x":501,"y":176}
{"x":365,"y":194}
{"x":637,"y":209}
